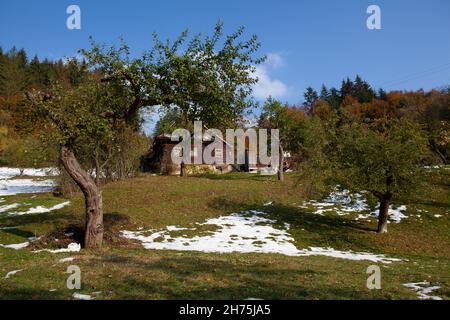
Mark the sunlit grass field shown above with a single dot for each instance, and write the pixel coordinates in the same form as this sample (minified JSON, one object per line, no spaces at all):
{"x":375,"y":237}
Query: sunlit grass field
{"x":123,"y":269}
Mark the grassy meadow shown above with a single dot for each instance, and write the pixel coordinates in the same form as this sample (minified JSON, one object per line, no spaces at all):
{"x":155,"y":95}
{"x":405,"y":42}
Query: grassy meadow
{"x":123,"y":269}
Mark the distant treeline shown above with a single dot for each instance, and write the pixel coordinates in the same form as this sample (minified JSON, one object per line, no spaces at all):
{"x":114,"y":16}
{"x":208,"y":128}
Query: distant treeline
{"x":19,"y":143}
{"x":429,"y":109}
{"x":19,"y":74}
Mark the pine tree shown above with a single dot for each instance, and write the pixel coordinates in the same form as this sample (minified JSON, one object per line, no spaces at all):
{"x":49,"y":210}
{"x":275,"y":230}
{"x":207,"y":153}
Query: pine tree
{"x":382,"y":95}
{"x":346,"y":88}
{"x":324,"y":94}
{"x":13,"y":78}
{"x":35,"y":71}
{"x":334,"y":99}
{"x":310,"y":98}
{"x":362,"y":91}
{"x":22,"y":58}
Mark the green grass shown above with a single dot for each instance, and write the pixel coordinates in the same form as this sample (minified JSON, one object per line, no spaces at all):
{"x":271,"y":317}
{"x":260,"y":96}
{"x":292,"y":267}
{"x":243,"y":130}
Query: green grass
{"x":127,"y":271}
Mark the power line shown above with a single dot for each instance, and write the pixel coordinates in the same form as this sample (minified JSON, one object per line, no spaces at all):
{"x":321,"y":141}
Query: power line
{"x":417,"y":75}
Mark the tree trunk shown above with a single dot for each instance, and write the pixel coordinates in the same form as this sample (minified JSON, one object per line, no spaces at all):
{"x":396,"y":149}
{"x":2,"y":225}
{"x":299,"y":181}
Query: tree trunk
{"x":93,"y":198}
{"x":97,"y":167}
{"x":281,"y":164}
{"x":183,"y":170}
{"x":383,"y":213}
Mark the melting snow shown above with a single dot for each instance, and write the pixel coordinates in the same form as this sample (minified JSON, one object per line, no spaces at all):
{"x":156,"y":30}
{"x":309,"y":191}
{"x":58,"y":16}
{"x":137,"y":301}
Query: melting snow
{"x":40,"y":209}
{"x":8,"y":207}
{"x":243,"y":232}
{"x":18,"y":246}
{"x":8,"y":228}
{"x":396,"y":215}
{"x":73,"y":247}
{"x":80,"y":296}
{"x":11,"y":273}
{"x":343,"y":203}
{"x":7,"y":173}
{"x":69,"y":259}
{"x":9,"y":186}
{"x":423,"y":290}
{"x":18,"y":186}
{"x":15,"y":246}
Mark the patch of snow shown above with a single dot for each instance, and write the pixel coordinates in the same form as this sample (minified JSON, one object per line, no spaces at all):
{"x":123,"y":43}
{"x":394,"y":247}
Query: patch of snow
{"x":395,"y":214}
{"x":73,"y":247}
{"x":437,"y":167}
{"x":438,"y":215}
{"x":8,"y":207}
{"x":349,"y":255}
{"x":174,"y":228}
{"x":423,"y":290}
{"x":19,"y":186}
{"x":69,"y":259}
{"x":342,"y":202}
{"x":15,"y":246}
{"x":40,"y":209}
{"x":80,"y":296}
{"x":9,"y":186}
{"x":18,"y":246}
{"x":245,"y":232}
{"x":8,"y":173}
{"x":11,"y":273}
{"x":8,"y":228}
{"x":268,"y":204}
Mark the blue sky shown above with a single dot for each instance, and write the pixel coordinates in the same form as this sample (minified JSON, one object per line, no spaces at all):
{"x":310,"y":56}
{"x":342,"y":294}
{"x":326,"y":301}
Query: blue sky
{"x":308,"y":42}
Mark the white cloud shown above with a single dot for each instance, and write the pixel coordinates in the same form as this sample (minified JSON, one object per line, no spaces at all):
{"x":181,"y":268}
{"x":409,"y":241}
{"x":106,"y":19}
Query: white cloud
{"x":266,"y":85}
{"x":274,"y":60}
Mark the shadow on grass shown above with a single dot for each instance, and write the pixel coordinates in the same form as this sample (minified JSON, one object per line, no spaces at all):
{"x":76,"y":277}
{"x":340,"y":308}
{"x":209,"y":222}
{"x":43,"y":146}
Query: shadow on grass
{"x":39,"y":218}
{"x":65,"y":228}
{"x":203,"y":278}
{"x":430,"y":203}
{"x":235,"y":176}
{"x":195,"y":277}
{"x":19,"y":233}
{"x":32,"y":294}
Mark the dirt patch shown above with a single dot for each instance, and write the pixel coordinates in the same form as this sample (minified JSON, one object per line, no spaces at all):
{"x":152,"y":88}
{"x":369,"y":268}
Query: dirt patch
{"x":61,"y":238}
{"x":113,"y":223}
